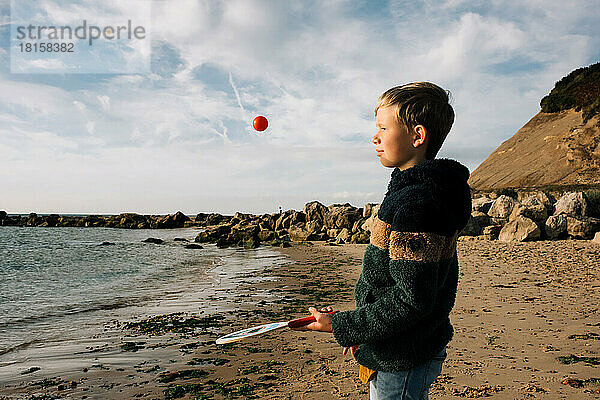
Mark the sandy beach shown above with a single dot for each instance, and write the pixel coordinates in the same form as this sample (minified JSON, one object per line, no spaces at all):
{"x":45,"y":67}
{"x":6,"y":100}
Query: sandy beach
{"x":526,"y":326}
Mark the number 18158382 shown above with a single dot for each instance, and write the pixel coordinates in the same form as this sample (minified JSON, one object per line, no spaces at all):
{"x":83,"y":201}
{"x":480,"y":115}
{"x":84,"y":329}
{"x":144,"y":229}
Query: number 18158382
{"x":47,"y":47}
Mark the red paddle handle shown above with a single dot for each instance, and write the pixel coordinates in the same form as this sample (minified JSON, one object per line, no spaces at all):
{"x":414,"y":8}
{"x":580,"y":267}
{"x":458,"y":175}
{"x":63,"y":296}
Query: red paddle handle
{"x":297,"y":323}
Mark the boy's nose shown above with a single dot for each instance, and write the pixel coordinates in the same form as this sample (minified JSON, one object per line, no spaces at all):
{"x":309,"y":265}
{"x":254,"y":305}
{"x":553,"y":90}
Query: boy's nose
{"x":375,"y":140}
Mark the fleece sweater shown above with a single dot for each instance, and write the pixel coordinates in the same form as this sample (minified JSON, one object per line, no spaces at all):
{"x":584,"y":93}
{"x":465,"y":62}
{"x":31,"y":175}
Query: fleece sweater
{"x":409,"y":277}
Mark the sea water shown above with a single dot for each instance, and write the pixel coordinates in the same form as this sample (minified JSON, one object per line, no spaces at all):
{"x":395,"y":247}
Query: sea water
{"x":55,"y":281}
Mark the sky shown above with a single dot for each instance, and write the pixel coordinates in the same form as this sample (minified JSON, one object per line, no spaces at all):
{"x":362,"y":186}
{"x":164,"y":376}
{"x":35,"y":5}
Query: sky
{"x":177,"y":135}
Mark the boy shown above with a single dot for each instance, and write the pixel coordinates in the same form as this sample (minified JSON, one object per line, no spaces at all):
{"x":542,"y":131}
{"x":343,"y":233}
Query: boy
{"x":400,"y":328}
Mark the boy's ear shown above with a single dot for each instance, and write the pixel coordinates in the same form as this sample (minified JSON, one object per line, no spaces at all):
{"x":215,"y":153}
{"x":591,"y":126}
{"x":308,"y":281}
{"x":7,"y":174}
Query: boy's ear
{"x":419,"y":135}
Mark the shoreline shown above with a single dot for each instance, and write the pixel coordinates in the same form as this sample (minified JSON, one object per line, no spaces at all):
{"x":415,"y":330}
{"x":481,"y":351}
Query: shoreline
{"x":526,"y":326}
{"x":124,"y":363}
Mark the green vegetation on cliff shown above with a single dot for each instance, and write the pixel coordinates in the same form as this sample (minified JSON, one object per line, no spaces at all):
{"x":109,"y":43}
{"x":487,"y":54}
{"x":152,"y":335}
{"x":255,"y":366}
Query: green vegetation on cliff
{"x":579,"y":90}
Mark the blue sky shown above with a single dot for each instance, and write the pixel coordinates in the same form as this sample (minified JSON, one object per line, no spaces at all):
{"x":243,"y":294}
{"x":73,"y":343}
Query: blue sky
{"x":180,"y":137}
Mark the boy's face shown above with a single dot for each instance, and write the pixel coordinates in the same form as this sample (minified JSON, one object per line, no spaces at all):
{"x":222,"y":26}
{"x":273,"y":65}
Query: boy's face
{"x":392,"y":141}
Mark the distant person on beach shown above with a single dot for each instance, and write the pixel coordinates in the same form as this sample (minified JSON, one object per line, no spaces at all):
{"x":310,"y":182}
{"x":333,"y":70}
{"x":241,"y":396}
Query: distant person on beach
{"x":400,"y":328}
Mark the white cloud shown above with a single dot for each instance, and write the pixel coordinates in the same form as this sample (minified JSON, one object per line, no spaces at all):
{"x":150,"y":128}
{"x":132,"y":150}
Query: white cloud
{"x":104,"y":102}
{"x":182,"y":23}
{"x":79,"y":105}
{"x":90,"y":127}
{"x":49,"y":64}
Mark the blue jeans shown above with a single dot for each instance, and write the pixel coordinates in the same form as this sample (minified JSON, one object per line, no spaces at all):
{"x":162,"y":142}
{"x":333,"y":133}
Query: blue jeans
{"x":407,"y":385}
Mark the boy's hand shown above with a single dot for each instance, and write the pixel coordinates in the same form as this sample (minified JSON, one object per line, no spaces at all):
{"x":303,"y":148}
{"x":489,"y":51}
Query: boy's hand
{"x":352,"y":350}
{"x":323,"y":323}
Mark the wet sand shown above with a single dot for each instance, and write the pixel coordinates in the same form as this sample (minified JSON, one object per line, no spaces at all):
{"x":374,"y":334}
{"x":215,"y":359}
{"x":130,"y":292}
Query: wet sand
{"x":526,"y":320}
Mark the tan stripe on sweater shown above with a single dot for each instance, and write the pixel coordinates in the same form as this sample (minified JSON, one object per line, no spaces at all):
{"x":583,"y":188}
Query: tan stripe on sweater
{"x":421,"y":246}
{"x":380,"y":233}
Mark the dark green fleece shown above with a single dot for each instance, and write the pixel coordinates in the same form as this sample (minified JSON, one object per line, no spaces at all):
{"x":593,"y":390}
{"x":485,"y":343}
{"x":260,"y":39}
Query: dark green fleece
{"x":408,"y":284}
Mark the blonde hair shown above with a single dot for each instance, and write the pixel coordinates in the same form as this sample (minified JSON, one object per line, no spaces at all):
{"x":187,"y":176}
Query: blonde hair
{"x":422,"y":103}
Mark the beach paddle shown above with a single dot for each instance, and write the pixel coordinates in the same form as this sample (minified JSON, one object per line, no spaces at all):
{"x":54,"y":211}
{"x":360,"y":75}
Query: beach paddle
{"x":257,"y":330}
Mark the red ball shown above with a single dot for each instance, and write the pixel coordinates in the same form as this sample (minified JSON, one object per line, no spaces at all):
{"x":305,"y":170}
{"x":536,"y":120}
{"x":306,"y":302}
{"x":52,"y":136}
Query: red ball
{"x":260,"y":123}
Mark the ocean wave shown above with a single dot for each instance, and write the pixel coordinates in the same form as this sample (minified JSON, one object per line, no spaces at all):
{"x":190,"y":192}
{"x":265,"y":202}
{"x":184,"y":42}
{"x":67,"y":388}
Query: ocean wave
{"x":20,"y":346}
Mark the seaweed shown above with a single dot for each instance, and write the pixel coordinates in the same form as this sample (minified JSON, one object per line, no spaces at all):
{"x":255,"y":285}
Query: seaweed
{"x":479,"y":391}
{"x":30,"y":370}
{"x":577,"y":383}
{"x":48,"y":382}
{"x":573,"y":359}
{"x":586,"y":336}
{"x":184,"y":374}
{"x":208,"y":361}
{"x":176,"y":322}
{"x":132,"y":346}
{"x":241,"y":387}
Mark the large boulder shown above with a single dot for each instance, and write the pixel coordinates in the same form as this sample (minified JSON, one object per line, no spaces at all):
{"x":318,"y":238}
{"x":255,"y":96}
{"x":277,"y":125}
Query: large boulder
{"x":360,"y":237}
{"x":267,"y":221}
{"x":283,"y":222}
{"x":298,"y":217}
{"x":574,"y":204}
{"x":368,"y":224}
{"x":251,"y":242}
{"x":332,"y":233}
{"x":313,"y":227}
{"x":322,"y":236}
{"x":151,"y":240}
{"x":289,"y":218}
{"x":519,"y":230}
{"x":243,"y":231}
{"x":593,"y":197}
{"x":596,"y":238}
{"x":14,"y":220}
{"x":264,"y":226}
{"x":50,"y":220}
{"x":201,"y":218}
{"x":357,"y":227}
{"x":538,"y":197}
{"x":298,"y":233}
{"x":282,"y":236}
{"x":368,"y":209}
{"x":266,"y":235}
{"x":343,"y":236}
{"x":531,"y":208}
{"x":215,"y":219}
{"x":491,"y":232}
{"x":124,"y":220}
{"x":90,"y":220}
{"x":171,"y":221}
{"x":242,"y":217}
{"x":315,"y":211}
{"x":556,"y":226}
{"x":498,"y":221}
{"x":495,"y":194}
{"x":243,"y":235}
{"x":341,"y":216}
{"x":66,"y":221}
{"x":33,"y":220}
{"x":582,"y":227}
{"x":502,"y":207}
{"x":477,"y":221}
{"x":213,"y":233}
{"x":482,"y":204}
